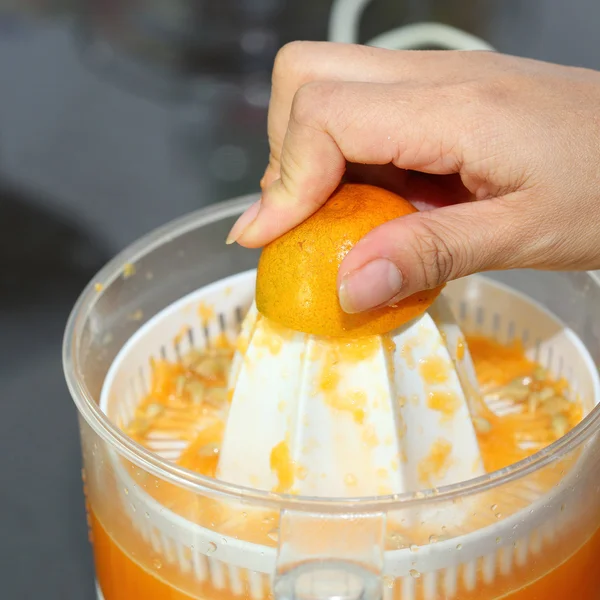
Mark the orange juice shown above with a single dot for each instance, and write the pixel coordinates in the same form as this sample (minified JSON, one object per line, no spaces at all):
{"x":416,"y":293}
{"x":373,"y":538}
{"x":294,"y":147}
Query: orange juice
{"x":122,"y":578}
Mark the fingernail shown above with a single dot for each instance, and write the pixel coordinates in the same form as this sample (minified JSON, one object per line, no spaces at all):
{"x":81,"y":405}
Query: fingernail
{"x":245,"y":220}
{"x":373,"y":285}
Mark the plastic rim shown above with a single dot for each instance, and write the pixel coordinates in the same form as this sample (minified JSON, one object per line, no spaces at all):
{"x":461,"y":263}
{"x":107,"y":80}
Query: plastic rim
{"x":196,"y":483}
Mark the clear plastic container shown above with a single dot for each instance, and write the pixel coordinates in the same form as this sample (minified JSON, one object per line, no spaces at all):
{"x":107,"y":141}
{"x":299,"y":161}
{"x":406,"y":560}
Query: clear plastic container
{"x":162,"y":532}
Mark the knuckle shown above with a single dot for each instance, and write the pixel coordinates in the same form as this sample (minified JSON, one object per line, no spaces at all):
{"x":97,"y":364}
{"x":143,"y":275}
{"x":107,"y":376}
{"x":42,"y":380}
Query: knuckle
{"x":311,"y":101}
{"x":497,"y":89}
{"x":290,"y":58}
{"x":434,"y":257}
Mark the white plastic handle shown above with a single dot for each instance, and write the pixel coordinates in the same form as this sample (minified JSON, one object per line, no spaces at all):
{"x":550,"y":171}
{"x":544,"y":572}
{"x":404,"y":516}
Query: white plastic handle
{"x":330,"y":556}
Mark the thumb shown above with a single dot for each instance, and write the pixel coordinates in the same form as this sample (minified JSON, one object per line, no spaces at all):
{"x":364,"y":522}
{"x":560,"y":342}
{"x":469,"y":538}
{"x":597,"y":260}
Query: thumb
{"x":425,"y":250}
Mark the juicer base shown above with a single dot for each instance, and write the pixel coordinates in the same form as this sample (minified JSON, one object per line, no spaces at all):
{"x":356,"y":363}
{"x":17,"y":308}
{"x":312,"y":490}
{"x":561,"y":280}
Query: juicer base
{"x":480,"y":305}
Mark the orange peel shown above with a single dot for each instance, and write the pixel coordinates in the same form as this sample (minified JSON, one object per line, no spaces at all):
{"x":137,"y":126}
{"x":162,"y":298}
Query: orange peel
{"x":296,"y":282}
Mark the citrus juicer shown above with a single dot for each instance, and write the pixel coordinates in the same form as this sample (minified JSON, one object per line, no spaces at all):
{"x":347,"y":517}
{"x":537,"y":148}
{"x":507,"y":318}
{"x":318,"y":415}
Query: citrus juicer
{"x":332,"y":405}
{"x":520,"y":523}
{"x":354,"y":415}
{"x":345,"y":415}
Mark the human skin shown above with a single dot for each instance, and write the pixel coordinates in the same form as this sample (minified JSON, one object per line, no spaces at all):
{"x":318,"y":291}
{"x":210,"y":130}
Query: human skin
{"x":500,"y":154}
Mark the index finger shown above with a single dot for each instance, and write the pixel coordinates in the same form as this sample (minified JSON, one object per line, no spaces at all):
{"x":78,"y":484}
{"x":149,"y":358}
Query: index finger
{"x":300,"y":63}
{"x":413,"y":127}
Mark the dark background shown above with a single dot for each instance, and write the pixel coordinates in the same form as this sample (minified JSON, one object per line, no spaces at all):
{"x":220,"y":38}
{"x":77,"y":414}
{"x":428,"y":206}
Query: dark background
{"x":97,"y":148}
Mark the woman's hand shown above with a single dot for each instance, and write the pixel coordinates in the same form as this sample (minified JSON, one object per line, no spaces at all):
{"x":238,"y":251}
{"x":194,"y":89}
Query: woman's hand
{"x":519,"y":137}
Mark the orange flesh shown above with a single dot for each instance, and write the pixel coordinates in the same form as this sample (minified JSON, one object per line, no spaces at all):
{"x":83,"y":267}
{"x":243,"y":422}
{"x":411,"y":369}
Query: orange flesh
{"x":433,"y":370}
{"x":444,"y":402}
{"x":495,"y":365}
{"x":122,"y":576}
{"x":283,"y":465}
{"x":343,"y":352}
{"x":436,"y":463}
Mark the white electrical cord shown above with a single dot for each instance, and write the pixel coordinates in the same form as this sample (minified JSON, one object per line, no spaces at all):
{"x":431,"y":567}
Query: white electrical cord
{"x":344,"y":24}
{"x":344,"y":20}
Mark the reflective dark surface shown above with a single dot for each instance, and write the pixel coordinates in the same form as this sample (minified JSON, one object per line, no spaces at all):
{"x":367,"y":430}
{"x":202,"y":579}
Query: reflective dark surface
{"x":103,"y":139}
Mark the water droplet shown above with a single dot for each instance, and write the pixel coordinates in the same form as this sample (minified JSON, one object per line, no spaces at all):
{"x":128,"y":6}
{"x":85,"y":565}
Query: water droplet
{"x":224,"y":540}
{"x":273,"y":534}
{"x":396,"y":540}
{"x":192,"y":547}
{"x":498,"y":540}
{"x":147,"y":515}
{"x":433,"y":538}
{"x":562,"y":507}
{"x":494,"y":507}
{"x":414,"y":548}
{"x":444,"y":528}
{"x":133,"y":508}
{"x":498,"y":515}
{"x":156,"y":564}
{"x":126,"y":491}
{"x":414,"y":573}
{"x":212,"y":548}
{"x":244,"y":514}
{"x":459,"y":546}
{"x":388,"y":581}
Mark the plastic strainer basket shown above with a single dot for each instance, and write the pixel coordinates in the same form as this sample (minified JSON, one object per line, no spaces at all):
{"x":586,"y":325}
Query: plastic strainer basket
{"x":502,"y":530}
